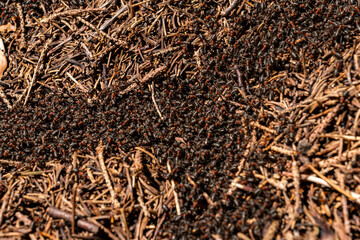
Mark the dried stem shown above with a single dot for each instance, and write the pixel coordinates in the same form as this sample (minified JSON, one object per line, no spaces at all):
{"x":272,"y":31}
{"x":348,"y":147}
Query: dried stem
{"x":81,"y":223}
{"x":100,"y":154}
{"x":231,"y":7}
{"x":37,"y":68}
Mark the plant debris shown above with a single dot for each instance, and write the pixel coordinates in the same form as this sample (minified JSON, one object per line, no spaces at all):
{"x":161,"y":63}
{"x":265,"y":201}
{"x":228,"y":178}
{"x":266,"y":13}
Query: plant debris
{"x":180,"y":120}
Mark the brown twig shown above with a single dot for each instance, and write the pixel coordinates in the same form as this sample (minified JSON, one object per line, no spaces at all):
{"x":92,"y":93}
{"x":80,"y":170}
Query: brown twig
{"x":22,"y":25}
{"x":73,"y":220}
{"x":296,"y":176}
{"x":151,"y":75}
{"x":81,"y":223}
{"x":100,"y":154}
{"x":5,"y":200}
{"x":154,"y":101}
{"x":101,"y":33}
{"x":37,"y":68}
{"x":333,"y":185}
{"x":329,"y":117}
{"x":231,"y":7}
{"x":177,"y":204}
{"x":272,"y":230}
{"x":240,"y":82}
{"x":72,"y":12}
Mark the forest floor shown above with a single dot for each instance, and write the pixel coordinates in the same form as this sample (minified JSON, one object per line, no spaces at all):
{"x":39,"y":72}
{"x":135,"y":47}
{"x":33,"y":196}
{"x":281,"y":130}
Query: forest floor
{"x":179,"y":119}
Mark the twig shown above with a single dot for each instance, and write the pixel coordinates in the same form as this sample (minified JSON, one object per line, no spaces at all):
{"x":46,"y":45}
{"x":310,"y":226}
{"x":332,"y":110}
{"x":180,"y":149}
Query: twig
{"x":100,"y":32}
{"x":208,"y":199}
{"x":231,"y":7}
{"x":242,"y":236}
{"x":104,"y":229}
{"x":10,"y":162}
{"x":191,"y":181}
{"x":38,"y":68}
{"x":266,"y":129}
{"x":158,"y":226}
{"x":138,"y":161}
{"x":240,"y":83}
{"x":333,"y":185}
{"x":272,"y":230}
{"x":22,"y":25}
{"x":73,"y":208}
{"x":151,"y":75}
{"x":154,"y":101}
{"x":100,"y":153}
{"x":242,"y":187}
{"x":5,"y":200}
{"x":296,"y":176}
{"x":108,"y":22}
{"x":4,"y":98}
{"x":84,"y":89}
{"x":319,"y":128}
{"x":282,"y":150}
{"x":344,"y":155}
{"x":344,"y":203}
{"x":177,"y":204}
{"x":81,"y":223}
{"x":72,"y":12}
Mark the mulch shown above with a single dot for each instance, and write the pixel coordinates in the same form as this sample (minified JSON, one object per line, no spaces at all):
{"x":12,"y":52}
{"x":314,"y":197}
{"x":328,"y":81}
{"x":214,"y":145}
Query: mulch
{"x":179,"y":119}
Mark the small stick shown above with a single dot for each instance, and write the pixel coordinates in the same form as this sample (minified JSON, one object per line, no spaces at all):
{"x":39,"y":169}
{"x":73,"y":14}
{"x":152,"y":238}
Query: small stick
{"x":333,"y":185}
{"x":158,"y":226}
{"x":108,"y":22}
{"x":272,"y":230}
{"x":154,"y":101}
{"x":37,"y":68}
{"x":242,"y":187}
{"x":240,"y":83}
{"x":102,"y":33}
{"x":5,"y":201}
{"x":208,"y":199}
{"x":71,"y":12}
{"x":314,"y":179}
{"x":151,"y":75}
{"x":191,"y":181}
{"x":73,"y":222}
{"x":341,"y":180}
{"x":283,"y":151}
{"x":4,"y":98}
{"x":147,"y":153}
{"x":81,"y":223}
{"x":296,"y":176}
{"x":84,"y":89}
{"x":319,"y":128}
{"x":138,"y":161}
{"x":266,"y":129}
{"x":231,"y":7}
{"x":344,"y":155}
{"x":100,"y":153}
{"x":22,"y":24}
{"x":177,"y":204}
